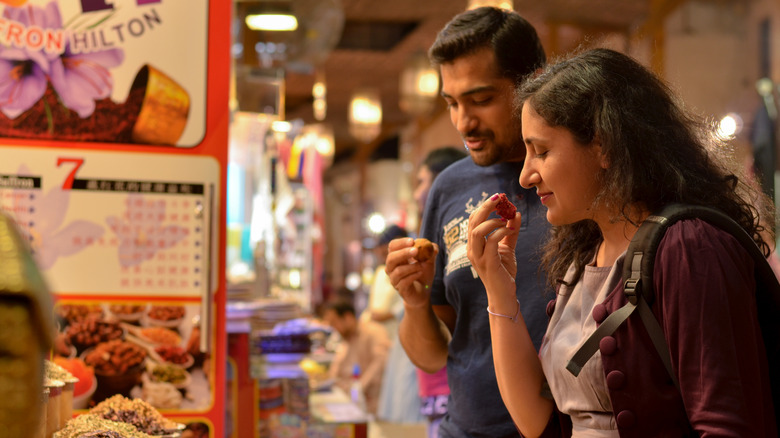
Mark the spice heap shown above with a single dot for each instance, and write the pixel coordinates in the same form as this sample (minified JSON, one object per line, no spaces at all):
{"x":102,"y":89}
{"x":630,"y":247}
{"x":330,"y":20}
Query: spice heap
{"x":115,"y":358}
{"x":136,"y":412}
{"x":88,"y":425}
{"x":119,"y":417}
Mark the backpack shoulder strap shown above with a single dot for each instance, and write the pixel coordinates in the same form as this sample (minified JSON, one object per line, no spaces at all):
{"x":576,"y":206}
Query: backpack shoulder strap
{"x":638,"y":278}
{"x":637,"y":271}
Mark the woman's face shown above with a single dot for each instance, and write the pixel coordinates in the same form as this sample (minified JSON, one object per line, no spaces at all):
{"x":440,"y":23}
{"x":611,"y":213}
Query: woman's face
{"x":563,"y":170}
{"x":424,"y":181}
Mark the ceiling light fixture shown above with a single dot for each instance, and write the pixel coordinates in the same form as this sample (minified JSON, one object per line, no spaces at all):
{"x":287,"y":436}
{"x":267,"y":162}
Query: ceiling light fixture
{"x":319,"y":91}
{"x":418,"y":85}
{"x":273,"y":16}
{"x":365,"y":114}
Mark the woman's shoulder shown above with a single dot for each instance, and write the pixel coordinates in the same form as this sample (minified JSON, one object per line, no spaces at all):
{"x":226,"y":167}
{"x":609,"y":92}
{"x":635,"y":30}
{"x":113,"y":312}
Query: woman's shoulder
{"x":697,"y":250}
{"x":698,"y":235}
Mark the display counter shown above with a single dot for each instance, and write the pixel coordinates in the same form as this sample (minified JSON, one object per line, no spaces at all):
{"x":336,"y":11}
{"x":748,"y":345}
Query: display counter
{"x":271,"y":396}
{"x":333,"y":410}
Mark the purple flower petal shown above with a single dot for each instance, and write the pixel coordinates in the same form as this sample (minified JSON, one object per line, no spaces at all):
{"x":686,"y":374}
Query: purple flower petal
{"x":53,"y":207}
{"x":81,"y":79}
{"x":63,"y":243}
{"x":47,"y":17}
{"x":21,"y":86}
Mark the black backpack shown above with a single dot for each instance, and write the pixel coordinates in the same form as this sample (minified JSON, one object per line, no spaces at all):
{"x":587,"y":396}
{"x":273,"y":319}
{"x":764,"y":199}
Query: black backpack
{"x":638,"y":285}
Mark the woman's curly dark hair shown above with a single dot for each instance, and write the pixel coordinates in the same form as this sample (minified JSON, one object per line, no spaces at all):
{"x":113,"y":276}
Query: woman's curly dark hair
{"x":658,"y":152}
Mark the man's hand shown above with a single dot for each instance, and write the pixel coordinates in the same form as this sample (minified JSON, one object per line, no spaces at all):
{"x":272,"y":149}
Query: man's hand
{"x":412,"y":279}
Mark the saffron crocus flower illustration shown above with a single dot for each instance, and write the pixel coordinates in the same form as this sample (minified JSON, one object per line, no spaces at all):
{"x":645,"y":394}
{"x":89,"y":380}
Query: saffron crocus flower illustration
{"x":49,"y":236}
{"x":83,"y":78}
{"x":22,"y":83}
{"x":141,"y":231}
{"x":79,"y":79}
{"x":23,"y":72}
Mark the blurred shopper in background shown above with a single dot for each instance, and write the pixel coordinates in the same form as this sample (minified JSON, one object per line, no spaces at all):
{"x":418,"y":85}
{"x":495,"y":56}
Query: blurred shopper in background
{"x":398,"y":402}
{"x":437,"y":160}
{"x":364,"y":344}
{"x":383,"y":300}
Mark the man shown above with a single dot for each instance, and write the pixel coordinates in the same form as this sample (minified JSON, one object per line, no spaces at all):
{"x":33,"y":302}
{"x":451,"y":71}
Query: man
{"x":364,"y":345}
{"x":482,"y":54}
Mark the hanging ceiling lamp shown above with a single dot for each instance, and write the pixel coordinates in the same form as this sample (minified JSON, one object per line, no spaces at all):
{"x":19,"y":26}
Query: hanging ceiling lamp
{"x":271,"y":15}
{"x":365,"y":114}
{"x":319,"y":92}
{"x":419,"y":85}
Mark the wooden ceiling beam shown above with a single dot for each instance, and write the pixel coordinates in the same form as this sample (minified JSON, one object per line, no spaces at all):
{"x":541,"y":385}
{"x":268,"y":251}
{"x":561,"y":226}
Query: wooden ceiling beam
{"x":653,"y":28}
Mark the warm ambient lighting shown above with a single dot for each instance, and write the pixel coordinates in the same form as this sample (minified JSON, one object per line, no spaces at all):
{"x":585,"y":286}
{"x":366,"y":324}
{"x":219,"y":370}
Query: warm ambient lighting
{"x":505,"y":4}
{"x":729,"y":126}
{"x":376,"y":223}
{"x":365,"y":115}
{"x":319,"y":92}
{"x":271,"y":15}
{"x":419,"y":86}
{"x":272,"y":22}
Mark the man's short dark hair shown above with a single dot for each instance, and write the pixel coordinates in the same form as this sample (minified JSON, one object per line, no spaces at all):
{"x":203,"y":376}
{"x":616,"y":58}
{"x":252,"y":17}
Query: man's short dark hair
{"x":340,"y":306}
{"x":512,"y":38}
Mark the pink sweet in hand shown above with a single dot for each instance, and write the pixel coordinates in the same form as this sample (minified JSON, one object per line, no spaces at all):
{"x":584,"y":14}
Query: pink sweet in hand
{"x":504,"y":208}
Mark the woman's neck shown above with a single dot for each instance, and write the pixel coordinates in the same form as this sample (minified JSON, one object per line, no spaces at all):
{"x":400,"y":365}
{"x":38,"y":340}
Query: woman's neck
{"x":617,"y":236}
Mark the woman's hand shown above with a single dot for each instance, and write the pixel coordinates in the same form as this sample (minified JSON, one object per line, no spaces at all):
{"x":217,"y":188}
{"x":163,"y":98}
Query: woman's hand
{"x":491,"y":247}
{"x":412,"y":279}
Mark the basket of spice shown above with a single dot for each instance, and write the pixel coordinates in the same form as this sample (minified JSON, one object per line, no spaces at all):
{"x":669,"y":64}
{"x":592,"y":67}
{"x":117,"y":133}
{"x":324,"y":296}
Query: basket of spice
{"x":165,"y":316}
{"x":175,"y":355}
{"x":168,"y":373}
{"x":121,"y":417}
{"x":159,"y":336}
{"x":87,"y":383}
{"x":67,"y":313}
{"x":131,"y":313}
{"x":87,"y":332}
{"x":118,"y":367}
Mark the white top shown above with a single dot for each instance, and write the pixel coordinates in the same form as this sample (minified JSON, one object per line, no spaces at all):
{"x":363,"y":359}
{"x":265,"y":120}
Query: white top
{"x":383,"y":297}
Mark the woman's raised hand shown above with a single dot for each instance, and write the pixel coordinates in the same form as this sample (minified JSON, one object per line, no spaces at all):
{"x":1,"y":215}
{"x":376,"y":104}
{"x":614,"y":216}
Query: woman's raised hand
{"x":491,"y":246}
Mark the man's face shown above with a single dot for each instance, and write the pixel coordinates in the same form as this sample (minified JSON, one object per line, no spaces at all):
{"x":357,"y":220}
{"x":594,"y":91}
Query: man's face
{"x":424,"y":181}
{"x":480,"y":102}
{"x":342,"y":324}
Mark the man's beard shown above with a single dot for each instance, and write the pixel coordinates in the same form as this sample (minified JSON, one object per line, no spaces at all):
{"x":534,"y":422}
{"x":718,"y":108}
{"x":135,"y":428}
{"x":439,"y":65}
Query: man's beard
{"x":498,"y":153}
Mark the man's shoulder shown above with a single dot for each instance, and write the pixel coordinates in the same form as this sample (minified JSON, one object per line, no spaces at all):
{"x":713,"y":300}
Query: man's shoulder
{"x":374,"y":330}
{"x":465,"y":164}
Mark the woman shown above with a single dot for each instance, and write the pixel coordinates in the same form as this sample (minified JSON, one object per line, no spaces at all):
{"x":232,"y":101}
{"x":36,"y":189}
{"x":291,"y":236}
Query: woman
{"x":607,"y":144}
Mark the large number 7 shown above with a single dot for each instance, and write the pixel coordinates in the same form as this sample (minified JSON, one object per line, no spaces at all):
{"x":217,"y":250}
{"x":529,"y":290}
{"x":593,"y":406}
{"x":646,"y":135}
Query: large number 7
{"x":72,"y":175}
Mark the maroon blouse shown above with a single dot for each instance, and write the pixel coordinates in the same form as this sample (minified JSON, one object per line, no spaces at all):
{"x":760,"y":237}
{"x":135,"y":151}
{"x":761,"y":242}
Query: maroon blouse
{"x":705,"y":301}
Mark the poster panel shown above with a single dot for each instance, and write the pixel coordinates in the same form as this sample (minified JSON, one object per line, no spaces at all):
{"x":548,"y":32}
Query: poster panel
{"x":113,"y":138}
{"x":124,"y":71}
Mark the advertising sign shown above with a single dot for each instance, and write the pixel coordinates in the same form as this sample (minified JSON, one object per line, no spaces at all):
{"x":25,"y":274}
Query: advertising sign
{"x":113,"y":137}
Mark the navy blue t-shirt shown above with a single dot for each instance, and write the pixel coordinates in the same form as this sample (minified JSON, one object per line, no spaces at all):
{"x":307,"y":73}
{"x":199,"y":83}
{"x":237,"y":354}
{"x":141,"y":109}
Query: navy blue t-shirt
{"x":475,"y":407}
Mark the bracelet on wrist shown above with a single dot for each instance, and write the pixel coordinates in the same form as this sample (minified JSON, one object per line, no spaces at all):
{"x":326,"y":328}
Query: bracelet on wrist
{"x":512,"y":318}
